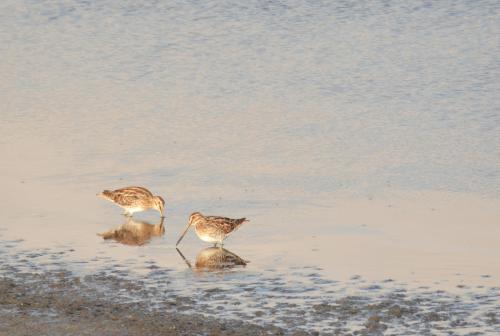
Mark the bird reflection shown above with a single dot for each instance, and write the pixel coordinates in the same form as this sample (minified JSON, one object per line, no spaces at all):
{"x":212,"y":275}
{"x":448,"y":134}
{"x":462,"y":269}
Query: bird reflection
{"x":134,"y":232}
{"x":215,"y":259}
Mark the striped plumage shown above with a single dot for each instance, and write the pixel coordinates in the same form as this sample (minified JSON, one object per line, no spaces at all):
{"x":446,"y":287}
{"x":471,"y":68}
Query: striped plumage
{"x":212,"y":229}
{"x":134,"y":199}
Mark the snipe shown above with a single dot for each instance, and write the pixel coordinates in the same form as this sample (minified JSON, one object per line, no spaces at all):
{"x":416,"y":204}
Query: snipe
{"x":212,"y":229}
{"x":134,"y":199}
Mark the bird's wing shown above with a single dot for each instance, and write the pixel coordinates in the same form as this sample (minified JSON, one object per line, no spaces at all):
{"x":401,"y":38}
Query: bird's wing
{"x":136,"y":189}
{"x":225,"y":224}
{"x":130,"y":196}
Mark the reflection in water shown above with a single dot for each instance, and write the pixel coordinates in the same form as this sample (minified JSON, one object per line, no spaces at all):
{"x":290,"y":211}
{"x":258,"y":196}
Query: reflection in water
{"x":215,"y":258}
{"x":134,"y":232}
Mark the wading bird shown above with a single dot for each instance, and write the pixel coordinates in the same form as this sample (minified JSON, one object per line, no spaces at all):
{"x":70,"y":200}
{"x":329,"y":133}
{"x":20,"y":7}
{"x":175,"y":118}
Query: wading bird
{"x":212,"y":229}
{"x":134,"y":199}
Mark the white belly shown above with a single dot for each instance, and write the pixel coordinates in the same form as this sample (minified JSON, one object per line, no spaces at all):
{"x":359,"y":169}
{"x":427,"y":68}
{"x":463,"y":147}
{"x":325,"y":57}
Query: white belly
{"x":207,"y":238}
{"x":133,"y":209}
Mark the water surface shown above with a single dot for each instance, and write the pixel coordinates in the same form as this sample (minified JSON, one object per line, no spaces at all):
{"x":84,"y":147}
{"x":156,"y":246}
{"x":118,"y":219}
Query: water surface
{"x":361,"y":139}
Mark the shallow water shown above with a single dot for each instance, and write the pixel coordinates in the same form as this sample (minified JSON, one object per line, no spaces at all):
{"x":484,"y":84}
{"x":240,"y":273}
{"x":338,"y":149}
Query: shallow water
{"x":360,"y":139}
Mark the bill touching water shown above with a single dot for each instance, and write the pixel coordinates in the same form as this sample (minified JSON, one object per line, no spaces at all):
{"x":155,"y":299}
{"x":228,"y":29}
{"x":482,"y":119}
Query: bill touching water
{"x":360,"y":140}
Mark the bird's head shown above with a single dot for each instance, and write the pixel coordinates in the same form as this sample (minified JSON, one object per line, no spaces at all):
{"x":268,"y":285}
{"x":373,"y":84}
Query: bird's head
{"x":159,"y":205}
{"x":194,"y":217}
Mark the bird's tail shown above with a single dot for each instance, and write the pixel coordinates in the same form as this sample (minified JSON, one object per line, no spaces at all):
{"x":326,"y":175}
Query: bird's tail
{"x":242,"y":220}
{"x":108,"y":234}
{"x":107,"y":194}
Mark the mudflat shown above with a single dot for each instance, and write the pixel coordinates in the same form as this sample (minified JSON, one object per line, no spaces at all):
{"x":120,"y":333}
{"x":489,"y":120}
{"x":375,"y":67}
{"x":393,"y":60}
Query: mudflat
{"x":59,"y":304}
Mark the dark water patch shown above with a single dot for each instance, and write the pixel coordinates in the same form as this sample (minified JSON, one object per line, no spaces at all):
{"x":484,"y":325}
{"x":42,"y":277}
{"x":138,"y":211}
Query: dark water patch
{"x":374,"y":287}
{"x":34,"y":255}
{"x":160,"y":273}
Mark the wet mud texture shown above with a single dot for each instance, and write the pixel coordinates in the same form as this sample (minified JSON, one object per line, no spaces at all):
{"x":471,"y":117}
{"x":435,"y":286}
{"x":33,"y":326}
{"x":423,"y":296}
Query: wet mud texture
{"x":58,"y":304}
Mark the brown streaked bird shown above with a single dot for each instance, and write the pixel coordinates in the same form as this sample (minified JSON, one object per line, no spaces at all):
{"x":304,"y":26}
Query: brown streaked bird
{"x":134,"y":232}
{"x":212,"y":229}
{"x":134,"y":199}
{"x":215,"y":259}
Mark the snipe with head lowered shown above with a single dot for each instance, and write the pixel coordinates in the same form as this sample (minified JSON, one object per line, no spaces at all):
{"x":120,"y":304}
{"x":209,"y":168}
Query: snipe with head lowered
{"x":134,"y":199}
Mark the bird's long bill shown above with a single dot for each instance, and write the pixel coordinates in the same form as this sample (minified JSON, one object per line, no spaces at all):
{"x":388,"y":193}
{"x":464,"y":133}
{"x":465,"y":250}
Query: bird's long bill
{"x":183,"y":234}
